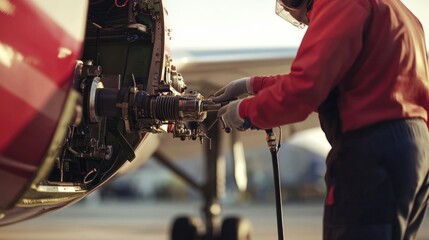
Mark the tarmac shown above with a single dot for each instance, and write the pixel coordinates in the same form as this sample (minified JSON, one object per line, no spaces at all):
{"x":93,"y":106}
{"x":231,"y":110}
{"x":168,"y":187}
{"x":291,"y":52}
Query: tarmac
{"x":152,"y":220}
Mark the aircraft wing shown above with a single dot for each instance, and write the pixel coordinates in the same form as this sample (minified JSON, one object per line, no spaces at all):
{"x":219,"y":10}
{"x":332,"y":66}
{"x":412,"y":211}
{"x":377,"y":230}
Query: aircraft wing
{"x":208,"y":70}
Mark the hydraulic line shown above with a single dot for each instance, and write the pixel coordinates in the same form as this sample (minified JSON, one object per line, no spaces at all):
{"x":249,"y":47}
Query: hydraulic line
{"x":274,"y":147}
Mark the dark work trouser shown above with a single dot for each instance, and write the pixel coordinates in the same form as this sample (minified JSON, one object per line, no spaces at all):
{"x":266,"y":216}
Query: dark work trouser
{"x":378,"y":183}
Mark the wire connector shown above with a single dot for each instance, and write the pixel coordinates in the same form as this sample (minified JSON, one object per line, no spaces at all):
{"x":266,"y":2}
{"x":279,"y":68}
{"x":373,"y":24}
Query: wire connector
{"x":271,"y":140}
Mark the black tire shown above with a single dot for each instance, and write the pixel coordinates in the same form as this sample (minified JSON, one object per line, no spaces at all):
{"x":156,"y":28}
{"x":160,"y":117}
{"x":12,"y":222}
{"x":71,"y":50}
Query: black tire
{"x":236,"y":228}
{"x":185,"y":228}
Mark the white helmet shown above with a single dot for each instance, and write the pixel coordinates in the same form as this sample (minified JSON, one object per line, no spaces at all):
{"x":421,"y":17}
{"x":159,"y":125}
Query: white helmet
{"x":283,"y":8}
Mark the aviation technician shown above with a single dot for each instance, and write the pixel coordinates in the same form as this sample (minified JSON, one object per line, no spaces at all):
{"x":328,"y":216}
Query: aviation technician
{"x":362,"y":65}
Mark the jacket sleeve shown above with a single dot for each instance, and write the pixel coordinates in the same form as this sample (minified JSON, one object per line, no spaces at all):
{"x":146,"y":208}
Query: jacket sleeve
{"x":328,"y":50}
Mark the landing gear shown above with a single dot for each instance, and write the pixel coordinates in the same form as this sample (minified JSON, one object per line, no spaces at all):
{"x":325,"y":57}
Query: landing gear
{"x":236,"y":228}
{"x":183,"y":227}
{"x":189,"y":228}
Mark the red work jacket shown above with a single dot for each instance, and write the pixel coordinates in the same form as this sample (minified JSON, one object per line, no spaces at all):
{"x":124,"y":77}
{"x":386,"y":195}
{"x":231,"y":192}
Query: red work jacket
{"x":372,"y":50}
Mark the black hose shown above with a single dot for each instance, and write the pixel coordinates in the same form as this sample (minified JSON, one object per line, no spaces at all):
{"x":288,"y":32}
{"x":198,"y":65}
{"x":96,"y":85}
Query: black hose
{"x":277,"y":188}
{"x":279,"y":206}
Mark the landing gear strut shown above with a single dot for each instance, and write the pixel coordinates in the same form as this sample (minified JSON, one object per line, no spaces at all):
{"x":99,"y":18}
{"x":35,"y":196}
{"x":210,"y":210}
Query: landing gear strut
{"x":211,"y":227}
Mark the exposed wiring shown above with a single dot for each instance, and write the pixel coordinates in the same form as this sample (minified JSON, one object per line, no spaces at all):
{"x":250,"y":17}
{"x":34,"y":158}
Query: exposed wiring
{"x":108,"y":170}
{"x":86,"y":180}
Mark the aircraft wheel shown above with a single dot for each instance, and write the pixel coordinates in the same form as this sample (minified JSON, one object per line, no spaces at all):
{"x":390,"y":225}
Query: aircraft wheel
{"x":185,"y":228}
{"x":236,"y":228}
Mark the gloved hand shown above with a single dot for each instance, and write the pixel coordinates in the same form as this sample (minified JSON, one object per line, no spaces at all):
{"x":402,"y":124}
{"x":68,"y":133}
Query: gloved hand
{"x":230,"y":115}
{"x":233,"y":89}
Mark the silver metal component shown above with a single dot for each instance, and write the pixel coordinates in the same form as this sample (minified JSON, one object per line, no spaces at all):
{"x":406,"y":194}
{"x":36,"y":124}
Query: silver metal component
{"x":77,"y":74}
{"x":96,"y":84}
{"x":175,"y":79}
{"x":190,"y":107}
{"x":134,"y":89}
{"x":89,"y":69}
{"x":75,"y":153}
{"x":59,"y":188}
{"x":210,"y":106}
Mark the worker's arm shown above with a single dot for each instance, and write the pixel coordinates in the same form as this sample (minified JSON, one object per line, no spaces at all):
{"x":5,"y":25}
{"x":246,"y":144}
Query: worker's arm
{"x":329,"y":48}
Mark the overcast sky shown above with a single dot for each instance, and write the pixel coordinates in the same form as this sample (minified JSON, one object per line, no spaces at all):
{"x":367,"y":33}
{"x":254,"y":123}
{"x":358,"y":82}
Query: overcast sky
{"x":239,"y":24}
